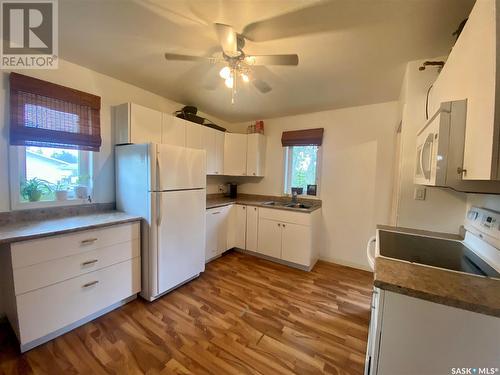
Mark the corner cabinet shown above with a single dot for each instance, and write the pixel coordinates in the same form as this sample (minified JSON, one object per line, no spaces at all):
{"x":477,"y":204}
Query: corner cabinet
{"x":256,"y":154}
{"x":235,"y":154}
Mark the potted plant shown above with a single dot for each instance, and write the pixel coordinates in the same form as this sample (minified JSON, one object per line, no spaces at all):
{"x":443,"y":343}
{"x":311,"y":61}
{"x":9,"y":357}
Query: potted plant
{"x":81,"y":189}
{"x":61,"y":191}
{"x":34,"y":188}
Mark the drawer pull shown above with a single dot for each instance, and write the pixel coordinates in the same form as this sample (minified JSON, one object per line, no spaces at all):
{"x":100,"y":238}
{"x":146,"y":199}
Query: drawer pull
{"x":89,"y":262}
{"x":216,"y":213}
{"x":88,"y":241}
{"x":89,"y":284}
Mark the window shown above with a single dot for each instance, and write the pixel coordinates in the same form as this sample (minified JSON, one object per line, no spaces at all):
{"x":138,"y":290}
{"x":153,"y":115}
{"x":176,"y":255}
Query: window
{"x":301,"y":167}
{"x":53,"y":132}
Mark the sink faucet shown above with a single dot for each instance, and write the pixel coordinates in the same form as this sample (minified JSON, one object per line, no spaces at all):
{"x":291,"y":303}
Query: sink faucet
{"x":294,"y":195}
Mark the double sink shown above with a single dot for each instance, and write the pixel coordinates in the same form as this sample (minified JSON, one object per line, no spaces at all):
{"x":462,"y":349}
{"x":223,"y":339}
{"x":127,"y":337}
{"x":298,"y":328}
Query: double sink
{"x":288,"y":204}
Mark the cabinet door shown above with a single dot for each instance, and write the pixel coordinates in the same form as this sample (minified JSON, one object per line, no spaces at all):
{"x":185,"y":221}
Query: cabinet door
{"x":219,"y":152}
{"x":145,"y":124}
{"x":235,"y":154}
{"x":212,"y":233}
{"x":256,"y":151}
{"x":194,"y":136}
{"x":173,"y":131}
{"x":252,"y":226}
{"x":269,"y":238}
{"x":241,"y":226}
{"x":208,"y":138}
{"x":296,"y":244}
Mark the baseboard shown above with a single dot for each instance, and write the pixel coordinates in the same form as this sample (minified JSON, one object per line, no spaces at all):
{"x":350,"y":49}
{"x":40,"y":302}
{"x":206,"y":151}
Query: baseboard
{"x":280,"y":261}
{"x":70,"y":327}
{"x":347,"y":264}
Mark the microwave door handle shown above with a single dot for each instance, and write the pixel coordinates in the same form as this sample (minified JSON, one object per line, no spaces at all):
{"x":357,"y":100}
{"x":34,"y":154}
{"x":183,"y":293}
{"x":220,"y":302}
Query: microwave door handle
{"x":428,"y":143}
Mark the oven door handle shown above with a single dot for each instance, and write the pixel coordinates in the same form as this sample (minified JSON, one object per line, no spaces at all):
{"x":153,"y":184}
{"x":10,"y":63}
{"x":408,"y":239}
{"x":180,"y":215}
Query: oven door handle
{"x":370,"y":255}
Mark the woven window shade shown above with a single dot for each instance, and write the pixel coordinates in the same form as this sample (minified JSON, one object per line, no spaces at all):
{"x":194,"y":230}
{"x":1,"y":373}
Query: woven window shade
{"x":44,"y":114}
{"x":307,"y":137}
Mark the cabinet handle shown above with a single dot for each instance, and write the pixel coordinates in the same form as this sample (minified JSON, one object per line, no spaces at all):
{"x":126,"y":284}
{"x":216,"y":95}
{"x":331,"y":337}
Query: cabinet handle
{"x":90,"y":284}
{"x":215,"y":213}
{"x":279,"y":225}
{"x":89,"y":262}
{"x":253,"y":173}
{"x":460,"y":170}
{"x":244,"y":207}
{"x":255,"y":208}
{"x":284,"y":225}
{"x":88,"y":241}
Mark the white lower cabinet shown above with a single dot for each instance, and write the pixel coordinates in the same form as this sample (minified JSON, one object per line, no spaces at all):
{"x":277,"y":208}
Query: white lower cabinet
{"x":288,"y":235}
{"x":54,"y":284}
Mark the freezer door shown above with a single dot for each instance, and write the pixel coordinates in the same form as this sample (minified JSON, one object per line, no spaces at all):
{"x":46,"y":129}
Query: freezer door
{"x":181,"y":237}
{"x":180,"y":168}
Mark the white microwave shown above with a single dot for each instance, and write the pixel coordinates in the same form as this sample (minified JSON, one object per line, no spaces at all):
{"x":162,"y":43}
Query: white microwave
{"x":439,"y":143}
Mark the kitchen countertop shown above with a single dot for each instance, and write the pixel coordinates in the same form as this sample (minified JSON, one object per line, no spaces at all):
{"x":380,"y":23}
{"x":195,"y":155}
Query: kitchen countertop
{"x":29,"y":230}
{"x":218,"y":200}
{"x":469,"y":292}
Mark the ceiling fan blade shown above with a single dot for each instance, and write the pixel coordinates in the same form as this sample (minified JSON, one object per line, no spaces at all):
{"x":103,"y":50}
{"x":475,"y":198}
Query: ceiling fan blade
{"x":227,"y":39}
{"x":315,"y":18}
{"x":262,"y":86}
{"x":179,"y":57}
{"x":272,"y":59}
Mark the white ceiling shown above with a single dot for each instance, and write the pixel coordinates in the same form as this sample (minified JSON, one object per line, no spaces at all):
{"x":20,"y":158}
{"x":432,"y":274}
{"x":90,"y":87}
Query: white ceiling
{"x":351,"y":52}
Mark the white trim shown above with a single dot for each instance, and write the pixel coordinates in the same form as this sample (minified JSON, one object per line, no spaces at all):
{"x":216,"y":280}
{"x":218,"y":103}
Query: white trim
{"x":17,"y":171}
{"x":286,"y":180}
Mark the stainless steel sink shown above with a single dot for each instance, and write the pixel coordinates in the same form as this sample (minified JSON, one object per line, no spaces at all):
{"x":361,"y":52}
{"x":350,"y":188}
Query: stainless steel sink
{"x":298,"y":205}
{"x":274,"y":203}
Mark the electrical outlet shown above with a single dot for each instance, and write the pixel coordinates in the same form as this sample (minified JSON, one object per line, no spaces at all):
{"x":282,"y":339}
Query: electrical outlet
{"x":221,"y":189}
{"x":419,"y":193}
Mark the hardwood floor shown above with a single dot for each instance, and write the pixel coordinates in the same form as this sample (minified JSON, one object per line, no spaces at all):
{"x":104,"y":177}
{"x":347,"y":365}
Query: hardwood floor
{"x":242,"y":316}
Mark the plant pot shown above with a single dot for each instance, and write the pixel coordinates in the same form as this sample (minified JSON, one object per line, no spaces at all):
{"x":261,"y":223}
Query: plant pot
{"x":35,"y":196}
{"x":61,"y":195}
{"x":81,"y":192}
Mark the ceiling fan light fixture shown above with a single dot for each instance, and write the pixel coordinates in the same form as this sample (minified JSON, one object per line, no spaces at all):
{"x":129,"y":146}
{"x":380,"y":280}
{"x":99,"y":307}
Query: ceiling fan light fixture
{"x":229,"y":82}
{"x":225,"y":72}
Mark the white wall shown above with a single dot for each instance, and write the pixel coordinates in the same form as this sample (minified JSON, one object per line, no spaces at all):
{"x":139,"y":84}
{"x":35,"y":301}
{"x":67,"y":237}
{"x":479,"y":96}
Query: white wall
{"x":356,"y":176}
{"x":112,"y":92}
{"x":443,"y":210}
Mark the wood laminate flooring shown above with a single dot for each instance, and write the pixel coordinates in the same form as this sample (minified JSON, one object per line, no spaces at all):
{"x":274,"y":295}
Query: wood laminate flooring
{"x":243,"y":315}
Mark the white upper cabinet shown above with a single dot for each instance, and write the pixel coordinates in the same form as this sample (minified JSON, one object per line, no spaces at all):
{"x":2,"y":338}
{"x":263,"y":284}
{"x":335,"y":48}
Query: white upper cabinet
{"x":194,"y":135}
{"x":137,"y":124}
{"x":173,"y":131}
{"x":256,"y":154}
{"x":471,"y":73}
{"x":235,"y":154}
{"x":219,"y":152}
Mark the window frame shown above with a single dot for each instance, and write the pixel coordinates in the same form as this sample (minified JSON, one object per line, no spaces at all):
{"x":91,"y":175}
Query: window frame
{"x":287,"y":175}
{"x":17,"y":166}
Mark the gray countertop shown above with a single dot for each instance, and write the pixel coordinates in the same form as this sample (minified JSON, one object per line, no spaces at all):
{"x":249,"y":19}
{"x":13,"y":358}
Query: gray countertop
{"x":217,"y":200}
{"x":28,"y":230}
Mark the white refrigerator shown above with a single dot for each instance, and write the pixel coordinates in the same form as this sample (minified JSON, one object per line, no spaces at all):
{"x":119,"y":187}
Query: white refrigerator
{"x":166,"y":186}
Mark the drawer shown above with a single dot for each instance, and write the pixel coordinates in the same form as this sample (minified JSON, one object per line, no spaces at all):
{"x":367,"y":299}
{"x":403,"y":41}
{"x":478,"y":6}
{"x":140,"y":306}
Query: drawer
{"x":285,"y":216}
{"x":47,"y":273}
{"x":46,"y":310}
{"x":41,"y":250}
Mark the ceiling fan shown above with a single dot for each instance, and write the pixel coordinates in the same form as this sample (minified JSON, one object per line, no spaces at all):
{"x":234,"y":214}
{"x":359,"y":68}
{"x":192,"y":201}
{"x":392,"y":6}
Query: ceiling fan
{"x":237,"y":63}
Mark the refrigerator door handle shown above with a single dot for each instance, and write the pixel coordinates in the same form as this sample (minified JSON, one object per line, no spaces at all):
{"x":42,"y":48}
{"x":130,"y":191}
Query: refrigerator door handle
{"x":158,"y":169}
{"x":158,"y":209}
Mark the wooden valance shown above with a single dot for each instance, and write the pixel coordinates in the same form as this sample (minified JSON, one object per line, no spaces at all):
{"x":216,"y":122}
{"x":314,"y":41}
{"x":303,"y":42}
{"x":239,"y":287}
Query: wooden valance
{"x":44,"y":114}
{"x":306,"y":137}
